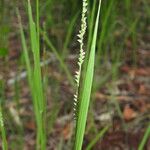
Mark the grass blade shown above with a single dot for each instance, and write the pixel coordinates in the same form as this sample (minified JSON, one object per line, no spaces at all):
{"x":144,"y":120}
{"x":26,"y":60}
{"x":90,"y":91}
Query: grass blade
{"x":69,"y":34}
{"x":25,"y":50}
{"x":145,"y":138}
{"x":39,"y":98}
{"x":54,"y":50}
{"x":3,"y":132}
{"x":35,"y":77}
{"x":98,"y":136}
{"x":85,"y":94}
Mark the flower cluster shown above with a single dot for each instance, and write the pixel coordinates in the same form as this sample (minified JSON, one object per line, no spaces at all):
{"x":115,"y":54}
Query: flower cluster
{"x":81,"y":54}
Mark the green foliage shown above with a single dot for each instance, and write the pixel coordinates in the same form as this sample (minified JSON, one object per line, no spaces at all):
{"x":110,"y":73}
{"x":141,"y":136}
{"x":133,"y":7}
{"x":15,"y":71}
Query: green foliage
{"x":118,"y":25}
{"x":3,"y":132}
{"x":59,"y":58}
{"x":34,"y":77}
{"x":3,"y":52}
{"x":97,"y":137}
{"x":86,"y":92}
{"x":144,"y":139}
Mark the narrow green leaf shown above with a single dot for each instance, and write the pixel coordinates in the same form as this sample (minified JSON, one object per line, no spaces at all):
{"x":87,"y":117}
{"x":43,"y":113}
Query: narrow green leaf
{"x":98,"y":136}
{"x":61,"y":61}
{"x":2,"y":131}
{"x":145,"y":138}
{"x":86,"y":92}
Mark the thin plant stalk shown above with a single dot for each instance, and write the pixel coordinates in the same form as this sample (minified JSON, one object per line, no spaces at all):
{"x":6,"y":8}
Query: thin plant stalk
{"x":145,"y":138}
{"x":69,"y":34}
{"x":59,"y":58}
{"x":98,"y":136}
{"x":104,"y":29}
{"x":35,"y":77}
{"x":3,"y":132}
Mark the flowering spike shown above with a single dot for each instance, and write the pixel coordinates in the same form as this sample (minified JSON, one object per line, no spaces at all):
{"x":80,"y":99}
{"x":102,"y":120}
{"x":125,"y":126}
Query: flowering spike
{"x":81,"y":55}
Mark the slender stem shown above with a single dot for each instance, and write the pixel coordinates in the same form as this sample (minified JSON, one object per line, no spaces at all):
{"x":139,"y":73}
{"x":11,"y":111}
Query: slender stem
{"x":3,"y":132}
{"x":145,"y":138}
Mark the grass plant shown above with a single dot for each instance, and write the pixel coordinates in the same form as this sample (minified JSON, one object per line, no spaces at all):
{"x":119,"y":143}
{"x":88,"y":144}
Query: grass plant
{"x":34,"y":76}
{"x":83,"y":102}
{"x":108,"y":44}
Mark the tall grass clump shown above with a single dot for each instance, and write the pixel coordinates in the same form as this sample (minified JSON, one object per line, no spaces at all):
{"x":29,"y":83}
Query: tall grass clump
{"x":34,"y":75}
{"x":82,"y":99}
